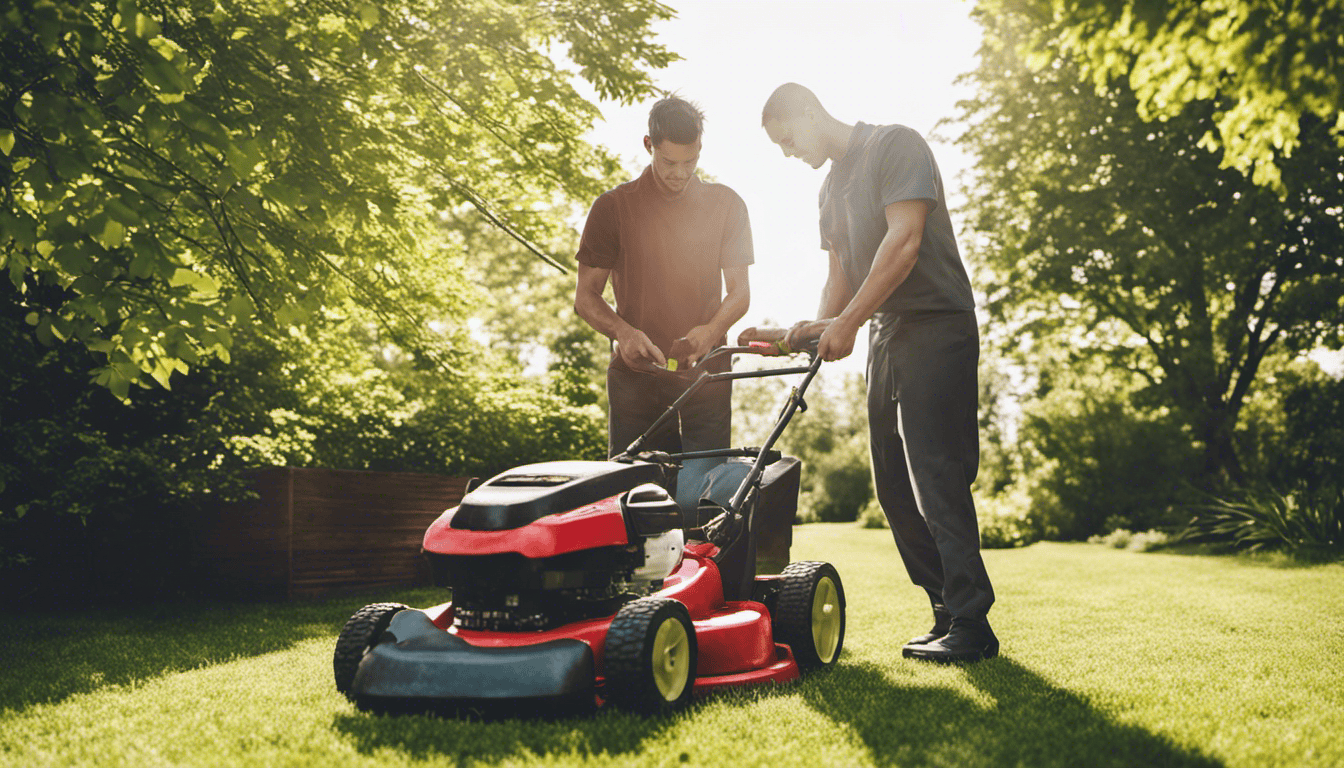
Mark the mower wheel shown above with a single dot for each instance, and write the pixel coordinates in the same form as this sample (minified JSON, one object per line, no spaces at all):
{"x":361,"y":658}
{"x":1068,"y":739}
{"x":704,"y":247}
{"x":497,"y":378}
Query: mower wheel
{"x":650,"y":655}
{"x":809,"y":613}
{"x":360,"y":633}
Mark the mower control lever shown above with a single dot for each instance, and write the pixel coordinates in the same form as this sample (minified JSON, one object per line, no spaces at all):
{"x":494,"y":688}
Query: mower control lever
{"x":773,"y":341}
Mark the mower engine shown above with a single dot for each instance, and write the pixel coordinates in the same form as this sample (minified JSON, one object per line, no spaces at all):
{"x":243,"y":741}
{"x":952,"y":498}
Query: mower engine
{"x":544,"y":545}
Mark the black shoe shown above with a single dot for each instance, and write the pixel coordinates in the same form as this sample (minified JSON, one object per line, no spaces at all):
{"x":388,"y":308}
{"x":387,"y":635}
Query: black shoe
{"x":967,"y":640}
{"x":942,"y":622}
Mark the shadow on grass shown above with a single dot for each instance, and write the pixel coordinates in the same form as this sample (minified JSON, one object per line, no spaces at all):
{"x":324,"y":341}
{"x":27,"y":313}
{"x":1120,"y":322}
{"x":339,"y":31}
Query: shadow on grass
{"x":499,"y":733}
{"x":1022,"y":720}
{"x":52,"y":655}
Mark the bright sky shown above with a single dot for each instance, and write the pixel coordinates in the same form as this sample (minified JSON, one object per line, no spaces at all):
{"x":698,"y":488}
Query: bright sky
{"x":879,"y":62}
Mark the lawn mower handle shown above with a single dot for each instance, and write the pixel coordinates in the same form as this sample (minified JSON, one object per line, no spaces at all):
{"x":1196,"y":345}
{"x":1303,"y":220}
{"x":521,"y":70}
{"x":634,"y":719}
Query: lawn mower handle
{"x":794,"y":403}
{"x":763,"y":455}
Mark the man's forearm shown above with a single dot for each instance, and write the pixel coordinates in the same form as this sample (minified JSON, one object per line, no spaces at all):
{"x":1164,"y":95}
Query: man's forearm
{"x":835,"y":294}
{"x":895,"y":258}
{"x":733,"y":308}
{"x":834,"y":299}
{"x":600,"y":315}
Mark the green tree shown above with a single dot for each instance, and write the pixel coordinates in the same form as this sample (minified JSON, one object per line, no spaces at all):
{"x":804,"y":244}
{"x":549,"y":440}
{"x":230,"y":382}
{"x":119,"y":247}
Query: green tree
{"x":179,"y":168}
{"x":525,"y":311}
{"x":1263,"y":64}
{"x":1100,"y":235}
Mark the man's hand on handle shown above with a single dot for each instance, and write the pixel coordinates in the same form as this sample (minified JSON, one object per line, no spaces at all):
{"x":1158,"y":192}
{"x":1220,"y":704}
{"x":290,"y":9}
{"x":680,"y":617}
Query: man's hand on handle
{"x":837,"y":341}
{"x":835,"y":337}
{"x":700,"y":340}
{"x":637,"y":351}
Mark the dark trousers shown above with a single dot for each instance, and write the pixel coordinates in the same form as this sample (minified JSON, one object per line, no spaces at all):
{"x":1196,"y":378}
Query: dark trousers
{"x":923,"y":430}
{"x":638,"y":399}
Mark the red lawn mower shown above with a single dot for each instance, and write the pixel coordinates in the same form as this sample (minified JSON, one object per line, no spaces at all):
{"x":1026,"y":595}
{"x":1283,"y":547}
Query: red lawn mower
{"x":631,"y":581}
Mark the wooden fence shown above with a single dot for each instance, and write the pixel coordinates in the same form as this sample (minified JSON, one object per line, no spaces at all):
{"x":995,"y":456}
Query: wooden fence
{"x":313,"y":532}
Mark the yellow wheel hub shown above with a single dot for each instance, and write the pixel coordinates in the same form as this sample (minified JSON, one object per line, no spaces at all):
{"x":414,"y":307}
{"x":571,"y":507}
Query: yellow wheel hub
{"x":671,"y":659}
{"x":826,"y":618}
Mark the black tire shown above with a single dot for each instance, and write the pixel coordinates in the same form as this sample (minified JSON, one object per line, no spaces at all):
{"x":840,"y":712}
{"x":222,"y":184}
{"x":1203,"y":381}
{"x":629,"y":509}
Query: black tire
{"x":360,"y":634}
{"x":809,"y":613}
{"x":650,"y":656}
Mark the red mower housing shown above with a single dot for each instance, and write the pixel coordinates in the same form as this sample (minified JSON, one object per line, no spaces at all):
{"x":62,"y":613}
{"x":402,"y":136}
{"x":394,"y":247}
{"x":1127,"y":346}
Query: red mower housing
{"x":588,"y":580}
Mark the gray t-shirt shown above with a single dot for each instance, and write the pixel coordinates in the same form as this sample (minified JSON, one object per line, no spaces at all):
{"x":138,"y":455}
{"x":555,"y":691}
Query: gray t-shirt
{"x":887,"y":164}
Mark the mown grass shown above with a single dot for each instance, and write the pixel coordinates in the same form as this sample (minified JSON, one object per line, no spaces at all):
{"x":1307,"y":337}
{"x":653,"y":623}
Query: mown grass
{"x":1110,"y":658}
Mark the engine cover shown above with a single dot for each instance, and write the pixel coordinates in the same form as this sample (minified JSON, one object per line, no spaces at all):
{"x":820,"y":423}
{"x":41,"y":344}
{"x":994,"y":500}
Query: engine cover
{"x":525,"y":494}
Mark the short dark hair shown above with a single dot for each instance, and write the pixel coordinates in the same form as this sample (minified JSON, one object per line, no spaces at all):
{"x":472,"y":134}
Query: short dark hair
{"x":677,"y":119}
{"x":790,"y":100}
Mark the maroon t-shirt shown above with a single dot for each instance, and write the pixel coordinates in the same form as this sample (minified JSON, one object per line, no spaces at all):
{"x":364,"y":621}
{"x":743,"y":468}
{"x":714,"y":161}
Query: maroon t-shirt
{"x":666,"y":256}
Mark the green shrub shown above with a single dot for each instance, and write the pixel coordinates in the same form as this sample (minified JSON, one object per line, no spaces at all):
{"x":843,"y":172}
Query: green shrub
{"x":1005,"y":519}
{"x":872,"y":516}
{"x":1143,"y":541}
{"x":95,"y":495}
{"x":842,"y":482}
{"x":1291,"y":430}
{"x":1265,"y":518}
{"x":1117,"y":539}
{"x":1101,"y":457}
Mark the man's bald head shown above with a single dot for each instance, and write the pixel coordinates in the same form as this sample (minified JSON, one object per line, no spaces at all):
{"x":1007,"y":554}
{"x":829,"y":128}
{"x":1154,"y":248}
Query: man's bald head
{"x":789,"y":101}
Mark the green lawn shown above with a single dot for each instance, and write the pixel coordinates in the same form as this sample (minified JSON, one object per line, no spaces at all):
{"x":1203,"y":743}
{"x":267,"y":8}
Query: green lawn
{"x":1109,"y":658}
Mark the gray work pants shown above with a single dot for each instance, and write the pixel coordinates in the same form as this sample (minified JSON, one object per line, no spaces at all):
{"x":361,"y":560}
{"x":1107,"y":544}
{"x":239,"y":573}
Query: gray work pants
{"x":923,"y":430}
{"x":638,"y":399}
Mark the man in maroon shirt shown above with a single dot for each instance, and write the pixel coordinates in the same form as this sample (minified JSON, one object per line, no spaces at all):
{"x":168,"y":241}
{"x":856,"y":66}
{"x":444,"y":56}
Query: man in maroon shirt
{"x":670,"y":244}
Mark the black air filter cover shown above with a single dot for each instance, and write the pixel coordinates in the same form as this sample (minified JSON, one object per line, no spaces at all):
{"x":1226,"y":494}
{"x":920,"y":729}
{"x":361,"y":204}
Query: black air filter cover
{"x":649,"y":511}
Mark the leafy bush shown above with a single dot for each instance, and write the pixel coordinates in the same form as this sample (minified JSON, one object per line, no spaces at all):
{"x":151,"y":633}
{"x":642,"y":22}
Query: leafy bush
{"x":872,"y":516}
{"x":1118,"y":539}
{"x":1142,"y":541}
{"x":1005,"y":520}
{"x":1264,"y":518}
{"x":842,"y":483}
{"x":1292,"y":427}
{"x":1091,"y":454}
{"x":95,"y":495}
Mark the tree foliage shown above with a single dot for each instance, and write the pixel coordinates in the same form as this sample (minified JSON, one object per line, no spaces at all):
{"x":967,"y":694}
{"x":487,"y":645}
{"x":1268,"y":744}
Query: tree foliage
{"x":1103,"y":237}
{"x":830,"y":437}
{"x":1263,"y":65}
{"x":177,"y":169}
{"x":272,"y":205}
{"x":98,"y":498}
{"x":524,"y":312}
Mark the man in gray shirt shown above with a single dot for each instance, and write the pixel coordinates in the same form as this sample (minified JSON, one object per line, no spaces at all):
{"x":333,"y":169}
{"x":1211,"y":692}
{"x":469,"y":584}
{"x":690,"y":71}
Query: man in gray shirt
{"x":894,"y":260}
